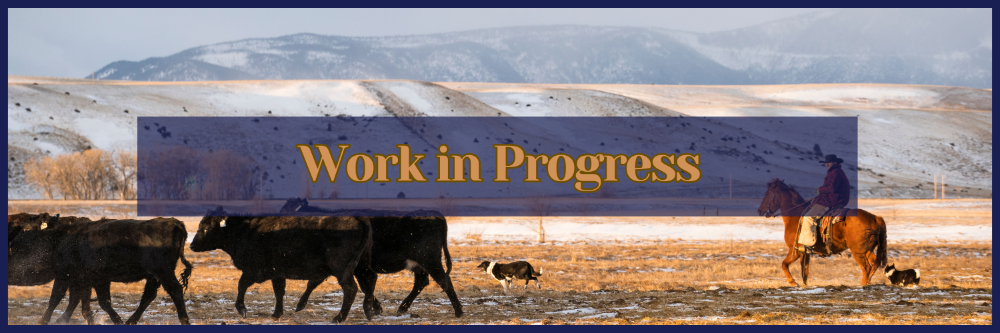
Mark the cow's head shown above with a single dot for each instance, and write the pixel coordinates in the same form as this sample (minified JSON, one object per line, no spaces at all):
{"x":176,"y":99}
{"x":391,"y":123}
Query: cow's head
{"x":210,"y":231}
{"x":29,"y":255}
{"x":294,"y":205}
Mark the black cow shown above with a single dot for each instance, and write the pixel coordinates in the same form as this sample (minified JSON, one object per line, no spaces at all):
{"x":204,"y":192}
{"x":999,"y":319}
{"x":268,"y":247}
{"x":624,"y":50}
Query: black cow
{"x":402,"y":240}
{"x":278,"y":248}
{"x":18,"y":223}
{"x":85,"y":255}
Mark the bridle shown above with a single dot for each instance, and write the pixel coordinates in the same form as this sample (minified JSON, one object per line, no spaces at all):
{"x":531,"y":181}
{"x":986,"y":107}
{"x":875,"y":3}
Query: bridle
{"x":774,"y":198}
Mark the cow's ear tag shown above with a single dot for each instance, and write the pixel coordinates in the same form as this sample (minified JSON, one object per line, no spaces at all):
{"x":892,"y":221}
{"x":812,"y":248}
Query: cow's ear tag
{"x":44,"y":225}
{"x":222,"y":224}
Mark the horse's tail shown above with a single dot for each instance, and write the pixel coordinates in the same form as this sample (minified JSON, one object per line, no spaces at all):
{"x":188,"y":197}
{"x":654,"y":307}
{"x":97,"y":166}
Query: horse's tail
{"x":881,"y":255}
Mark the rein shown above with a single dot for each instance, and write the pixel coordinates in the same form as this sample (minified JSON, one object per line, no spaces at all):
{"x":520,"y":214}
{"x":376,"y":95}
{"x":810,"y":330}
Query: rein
{"x":777,"y":212}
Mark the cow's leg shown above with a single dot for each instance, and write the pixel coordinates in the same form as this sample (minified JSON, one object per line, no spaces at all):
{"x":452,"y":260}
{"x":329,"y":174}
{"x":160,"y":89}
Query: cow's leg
{"x":793,"y":255}
{"x":82,"y":295}
{"x":59,"y":288}
{"x":350,"y":288}
{"x":367,"y":278}
{"x":241,"y":291}
{"x":805,"y":269}
{"x":148,"y":295}
{"x":420,"y":281}
{"x":305,"y":295}
{"x":74,"y":299}
{"x":176,"y":292}
{"x":444,"y":280}
{"x":103,"y":290}
{"x":278,"y":285}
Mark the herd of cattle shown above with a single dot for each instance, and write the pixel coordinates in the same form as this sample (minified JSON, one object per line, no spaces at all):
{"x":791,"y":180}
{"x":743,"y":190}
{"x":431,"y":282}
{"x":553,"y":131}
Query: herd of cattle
{"x":299,"y":243}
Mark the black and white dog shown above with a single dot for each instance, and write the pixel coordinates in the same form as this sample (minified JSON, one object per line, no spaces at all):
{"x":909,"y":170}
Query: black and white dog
{"x":902,"y":278}
{"x":506,"y":273}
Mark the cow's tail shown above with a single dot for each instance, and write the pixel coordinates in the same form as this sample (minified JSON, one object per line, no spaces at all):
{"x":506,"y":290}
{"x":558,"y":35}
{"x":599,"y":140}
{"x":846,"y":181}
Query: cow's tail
{"x":447,"y":257}
{"x":881,"y":255}
{"x":181,"y":236}
{"x":366,"y":248}
{"x":186,"y":274}
{"x":444,"y":247}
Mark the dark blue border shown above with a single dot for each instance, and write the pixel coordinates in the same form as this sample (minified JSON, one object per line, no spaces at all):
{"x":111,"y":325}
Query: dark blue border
{"x":473,"y":4}
{"x":499,"y":329}
{"x":504,"y":4}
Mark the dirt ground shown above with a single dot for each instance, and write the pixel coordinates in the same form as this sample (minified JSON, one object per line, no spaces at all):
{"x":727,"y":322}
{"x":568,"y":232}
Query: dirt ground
{"x":671,"y":282}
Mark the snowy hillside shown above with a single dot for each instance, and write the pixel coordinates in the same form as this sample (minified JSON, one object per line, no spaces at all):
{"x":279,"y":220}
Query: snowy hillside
{"x":908,"y":133}
{"x":937,"y":47}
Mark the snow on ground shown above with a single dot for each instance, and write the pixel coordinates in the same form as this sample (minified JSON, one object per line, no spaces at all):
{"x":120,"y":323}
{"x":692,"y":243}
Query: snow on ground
{"x":611,"y":232}
{"x":106,"y":134}
{"x":868,"y":94}
{"x":567,"y":231}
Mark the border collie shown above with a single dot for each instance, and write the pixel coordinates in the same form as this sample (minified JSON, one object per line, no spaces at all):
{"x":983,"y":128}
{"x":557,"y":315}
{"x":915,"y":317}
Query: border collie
{"x":902,"y":278}
{"x":506,"y":273}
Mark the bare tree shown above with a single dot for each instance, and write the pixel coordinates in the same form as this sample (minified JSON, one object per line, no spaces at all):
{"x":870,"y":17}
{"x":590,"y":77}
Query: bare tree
{"x":39,"y":173}
{"x":125,"y":171}
{"x":539,"y":209}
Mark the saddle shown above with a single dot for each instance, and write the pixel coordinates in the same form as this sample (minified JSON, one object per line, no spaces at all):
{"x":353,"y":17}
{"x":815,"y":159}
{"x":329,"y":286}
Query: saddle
{"x":825,"y":229}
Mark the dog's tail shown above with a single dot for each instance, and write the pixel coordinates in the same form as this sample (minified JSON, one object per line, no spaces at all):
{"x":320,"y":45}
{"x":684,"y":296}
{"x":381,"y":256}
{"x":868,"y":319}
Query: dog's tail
{"x":538,"y":273}
{"x":918,"y":273}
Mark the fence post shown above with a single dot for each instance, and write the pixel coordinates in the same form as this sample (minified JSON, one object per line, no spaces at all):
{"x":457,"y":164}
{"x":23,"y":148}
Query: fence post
{"x":942,"y":186}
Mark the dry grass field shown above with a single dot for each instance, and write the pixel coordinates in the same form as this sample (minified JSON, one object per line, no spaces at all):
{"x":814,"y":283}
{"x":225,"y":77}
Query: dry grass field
{"x":613,"y":282}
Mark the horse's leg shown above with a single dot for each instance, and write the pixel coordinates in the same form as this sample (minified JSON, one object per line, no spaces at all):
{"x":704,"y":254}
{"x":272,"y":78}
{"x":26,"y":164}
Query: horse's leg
{"x":793,"y":255}
{"x":872,"y":258}
{"x":805,"y":269}
{"x":866,"y":270}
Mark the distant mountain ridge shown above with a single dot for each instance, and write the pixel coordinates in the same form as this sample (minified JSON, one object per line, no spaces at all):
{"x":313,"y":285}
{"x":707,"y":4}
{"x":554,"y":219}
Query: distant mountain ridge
{"x":936,"y":47}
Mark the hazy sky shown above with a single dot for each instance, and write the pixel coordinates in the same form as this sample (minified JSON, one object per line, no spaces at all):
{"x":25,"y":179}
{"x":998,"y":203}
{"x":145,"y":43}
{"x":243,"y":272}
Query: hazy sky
{"x":75,"y":42}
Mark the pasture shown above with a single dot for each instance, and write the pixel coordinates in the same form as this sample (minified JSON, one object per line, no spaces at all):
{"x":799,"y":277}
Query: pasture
{"x":721,"y":278}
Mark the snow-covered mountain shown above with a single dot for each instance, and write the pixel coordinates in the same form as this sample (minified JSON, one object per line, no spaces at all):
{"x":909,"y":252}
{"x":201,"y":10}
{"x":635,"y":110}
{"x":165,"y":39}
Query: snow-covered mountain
{"x":940,"y":47}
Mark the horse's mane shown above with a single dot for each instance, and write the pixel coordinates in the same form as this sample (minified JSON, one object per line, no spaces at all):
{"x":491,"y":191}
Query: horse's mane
{"x":795,"y":194}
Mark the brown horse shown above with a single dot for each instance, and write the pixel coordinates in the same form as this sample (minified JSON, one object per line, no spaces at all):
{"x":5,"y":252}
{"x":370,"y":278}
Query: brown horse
{"x":863,"y":233}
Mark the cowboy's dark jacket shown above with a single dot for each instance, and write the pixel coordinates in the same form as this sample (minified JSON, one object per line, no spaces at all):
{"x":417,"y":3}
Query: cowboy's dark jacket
{"x":836,"y":190}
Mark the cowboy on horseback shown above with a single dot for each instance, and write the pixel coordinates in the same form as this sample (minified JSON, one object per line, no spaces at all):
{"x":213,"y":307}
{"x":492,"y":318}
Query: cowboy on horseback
{"x":835,"y":193}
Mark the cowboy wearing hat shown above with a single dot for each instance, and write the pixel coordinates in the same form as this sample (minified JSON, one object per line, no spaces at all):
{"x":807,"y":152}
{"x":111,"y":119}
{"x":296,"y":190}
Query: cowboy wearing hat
{"x":836,"y":192}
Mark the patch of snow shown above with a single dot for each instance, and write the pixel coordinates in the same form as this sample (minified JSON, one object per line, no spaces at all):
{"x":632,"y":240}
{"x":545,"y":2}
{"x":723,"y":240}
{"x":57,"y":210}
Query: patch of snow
{"x":809,"y":291}
{"x":228,"y":59}
{"x":601,"y":316}
{"x":575,"y":311}
{"x":569,"y":229}
{"x":854,"y":94}
{"x":412,"y":98}
{"x":49,"y":148}
{"x":105,"y":134}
